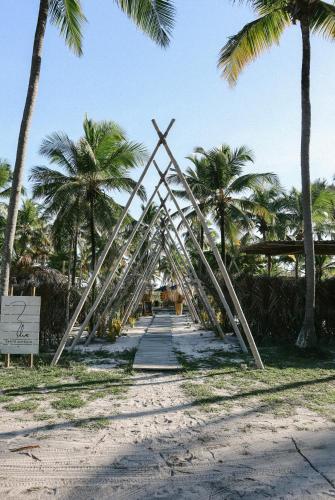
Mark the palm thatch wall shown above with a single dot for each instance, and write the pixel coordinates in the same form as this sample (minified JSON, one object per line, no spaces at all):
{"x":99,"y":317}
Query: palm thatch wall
{"x":274,"y":306}
{"x":56,"y":298}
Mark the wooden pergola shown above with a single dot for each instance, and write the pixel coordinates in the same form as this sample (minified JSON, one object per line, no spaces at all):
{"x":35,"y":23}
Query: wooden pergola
{"x":287,"y":247}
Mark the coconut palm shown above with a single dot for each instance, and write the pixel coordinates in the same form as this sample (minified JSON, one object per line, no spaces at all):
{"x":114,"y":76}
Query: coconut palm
{"x":273,"y":223}
{"x":5,"y":178}
{"x":219,"y":185}
{"x":94,"y":168}
{"x":153,"y":17}
{"x":32,"y":238}
{"x":313,"y":16}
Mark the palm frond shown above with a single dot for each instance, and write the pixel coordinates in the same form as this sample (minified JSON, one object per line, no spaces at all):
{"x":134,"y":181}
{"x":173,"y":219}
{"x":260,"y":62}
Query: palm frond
{"x":154,"y":17}
{"x":68,"y":16}
{"x":253,"y":39}
{"x":322,"y":19}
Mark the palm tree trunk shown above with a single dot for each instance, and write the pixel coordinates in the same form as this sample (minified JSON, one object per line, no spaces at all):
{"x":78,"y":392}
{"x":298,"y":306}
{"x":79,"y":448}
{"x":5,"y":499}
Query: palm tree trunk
{"x":201,"y":237}
{"x":75,"y":256}
{"x":92,"y":231}
{"x":68,"y":290}
{"x":15,"y":196}
{"x":222,"y":234}
{"x":307,"y":335}
{"x":297,"y":266}
{"x":93,"y":256}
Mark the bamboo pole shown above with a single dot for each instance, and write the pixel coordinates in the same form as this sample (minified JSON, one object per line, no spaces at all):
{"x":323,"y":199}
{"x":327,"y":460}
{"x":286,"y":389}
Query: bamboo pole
{"x":215,"y":251}
{"x":119,"y":286}
{"x":140,"y":288}
{"x":208,"y":269}
{"x":194,"y":315}
{"x":117,"y":263}
{"x":197,"y":282}
{"x":103,"y":255}
{"x":201,"y":291}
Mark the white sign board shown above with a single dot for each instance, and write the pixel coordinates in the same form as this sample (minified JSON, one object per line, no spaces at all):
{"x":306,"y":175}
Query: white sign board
{"x":20,"y":325}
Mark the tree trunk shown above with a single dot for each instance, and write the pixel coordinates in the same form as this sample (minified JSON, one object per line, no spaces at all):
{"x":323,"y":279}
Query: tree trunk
{"x":93,"y":257}
{"x":92,"y":231}
{"x":75,"y":256}
{"x":297,"y":258}
{"x":307,"y":335}
{"x":15,"y":195}
{"x":222,"y":234}
{"x":68,"y":290}
{"x":201,"y":237}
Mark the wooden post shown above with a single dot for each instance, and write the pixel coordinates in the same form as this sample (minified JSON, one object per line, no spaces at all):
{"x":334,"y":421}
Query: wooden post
{"x":31,"y":356}
{"x":116,"y":265}
{"x":119,"y":286}
{"x":104,"y":253}
{"x":201,"y":291}
{"x":7,"y":360}
{"x":217,"y":255}
{"x":199,"y":287}
{"x":208,"y":269}
{"x":7,"y":356}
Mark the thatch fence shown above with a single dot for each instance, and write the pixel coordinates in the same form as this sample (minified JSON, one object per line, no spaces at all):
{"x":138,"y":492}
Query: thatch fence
{"x":57,"y":299}
{"x":274,"y":306}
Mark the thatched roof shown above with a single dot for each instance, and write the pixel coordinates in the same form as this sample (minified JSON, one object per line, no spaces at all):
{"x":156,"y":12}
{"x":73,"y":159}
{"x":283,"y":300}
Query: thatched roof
{"x":288,"y":247}
{"x":36,"y":276}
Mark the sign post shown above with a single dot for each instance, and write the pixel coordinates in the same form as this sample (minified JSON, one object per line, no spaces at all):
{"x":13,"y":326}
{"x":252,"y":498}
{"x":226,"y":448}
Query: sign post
{"x":20,"y":326}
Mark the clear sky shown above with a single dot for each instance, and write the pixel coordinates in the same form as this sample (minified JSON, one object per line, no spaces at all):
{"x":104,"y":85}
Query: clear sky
{"x":125,"y":77}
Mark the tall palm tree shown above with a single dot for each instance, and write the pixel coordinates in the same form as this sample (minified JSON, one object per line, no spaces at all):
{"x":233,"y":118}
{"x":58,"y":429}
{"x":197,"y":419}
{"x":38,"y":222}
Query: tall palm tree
{"x":32,"y":237}
{"x":221,"y":186}
{"x":273,"y":223}
{"x":5,"y":178}
{"x":95,"y":167}
{"x":313,"y":16}
{"x":154,"y":17}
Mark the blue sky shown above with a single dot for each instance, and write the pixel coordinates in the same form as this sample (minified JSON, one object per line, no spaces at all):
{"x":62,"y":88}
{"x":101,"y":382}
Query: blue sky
{"x":125,"y":77}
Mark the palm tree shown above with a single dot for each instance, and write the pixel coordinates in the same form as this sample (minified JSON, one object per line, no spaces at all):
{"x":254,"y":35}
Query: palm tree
{"x":5,"y":178}
{"x":313,"y":16}
{"x":94,"y":167}
{"x":32,"y":236}
{"x":220,"y":184}
{"x":273,"y":223}
{"x":154,"y":17}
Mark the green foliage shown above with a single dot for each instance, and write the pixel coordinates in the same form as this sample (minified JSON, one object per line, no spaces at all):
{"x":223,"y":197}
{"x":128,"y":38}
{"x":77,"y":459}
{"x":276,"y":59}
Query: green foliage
{"x":132,"y":321}
{"x":114,"y":328}
{"x":154,"y":17}
{"x":68,"y":16}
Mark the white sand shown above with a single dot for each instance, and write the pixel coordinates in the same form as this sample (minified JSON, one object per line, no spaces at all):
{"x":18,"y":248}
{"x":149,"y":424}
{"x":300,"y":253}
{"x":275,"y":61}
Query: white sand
{"x":159,"y":446}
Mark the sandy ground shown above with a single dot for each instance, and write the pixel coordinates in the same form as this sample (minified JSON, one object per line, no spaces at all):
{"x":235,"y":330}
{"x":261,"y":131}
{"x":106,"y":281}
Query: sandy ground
{"x":159,"y":446}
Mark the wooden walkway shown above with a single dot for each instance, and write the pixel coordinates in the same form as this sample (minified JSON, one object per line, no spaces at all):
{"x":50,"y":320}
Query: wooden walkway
{"x":155,"y":350}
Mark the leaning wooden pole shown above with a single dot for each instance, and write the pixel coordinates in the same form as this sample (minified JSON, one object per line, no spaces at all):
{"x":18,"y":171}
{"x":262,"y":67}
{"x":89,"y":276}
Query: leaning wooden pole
{"x":215,"y":251}
{"x":118,"y":287}
{"x":140,"y":288}
{"x":209,"y":270}
{"x":183,"y":285}
{"x":103,"y":255}
{"x":115,"y":266}
{"x":197,"y":282}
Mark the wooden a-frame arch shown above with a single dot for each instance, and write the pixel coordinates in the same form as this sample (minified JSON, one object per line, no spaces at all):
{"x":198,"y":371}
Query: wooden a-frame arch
{"x":166,"y":247}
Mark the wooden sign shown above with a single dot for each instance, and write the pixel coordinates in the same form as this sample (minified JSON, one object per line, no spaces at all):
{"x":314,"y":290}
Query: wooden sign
{"x":20,"y":325}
